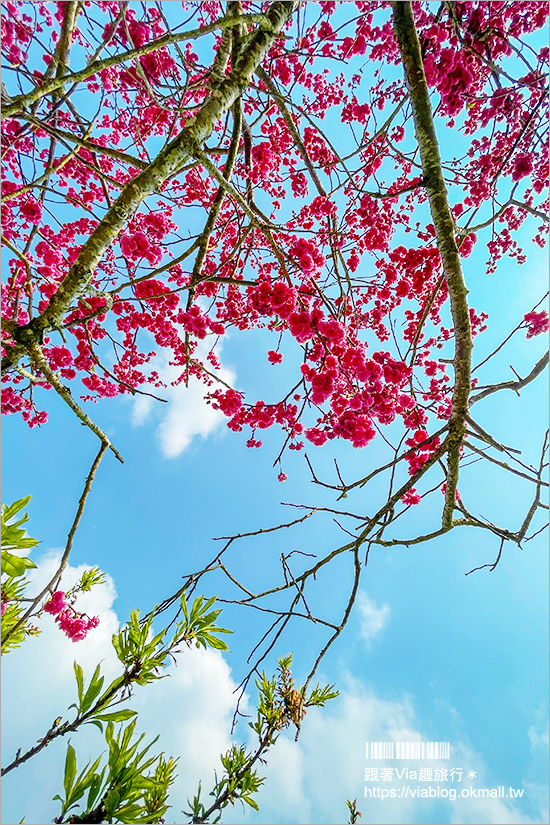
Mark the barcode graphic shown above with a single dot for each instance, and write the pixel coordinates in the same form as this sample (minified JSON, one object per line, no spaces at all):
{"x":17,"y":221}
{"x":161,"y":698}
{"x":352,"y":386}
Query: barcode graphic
{"x":408,"y":750}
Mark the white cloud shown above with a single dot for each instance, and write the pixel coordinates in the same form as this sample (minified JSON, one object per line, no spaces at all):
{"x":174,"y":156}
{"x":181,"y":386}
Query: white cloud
{"x":309,"y":781}
{"x":186,"y":414}
{"x":192,"y":710}
{"x":306,"y":781}
{"x":38,"y":685}
{"x":539,"y":738}
{"x":373,"y":617}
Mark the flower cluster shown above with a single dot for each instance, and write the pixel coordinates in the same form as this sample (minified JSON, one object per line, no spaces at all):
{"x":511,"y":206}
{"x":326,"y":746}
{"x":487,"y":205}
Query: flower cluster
{"x":143,"y":236}
{"x":411,"y":497}
{"x":352,"y":250}
{"x":537,"y":323}
{"x":422,"y":448}
{"x":75,"y":625}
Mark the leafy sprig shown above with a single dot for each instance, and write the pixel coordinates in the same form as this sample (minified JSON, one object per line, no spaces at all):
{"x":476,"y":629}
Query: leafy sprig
{"x":132,"y":787}
{"x":280,"y":704}
{"x":14,"y":567}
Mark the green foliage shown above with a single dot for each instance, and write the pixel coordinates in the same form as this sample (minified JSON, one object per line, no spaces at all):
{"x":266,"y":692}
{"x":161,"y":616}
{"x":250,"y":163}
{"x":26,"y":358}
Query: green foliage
{"x":199,"y":623}
{"x":280,"y":704}
{"x":14,"y":538}
{"x":132,"y":787}
{"x":154,"y":798}
{"x":354,"y":814}
{"x":13,"y":590}
{"x":90,"y":710}
{"x":122,"y":791}
{"x":90,"y":578}
{"x":143,"y":656}
{"x":14,"y":568}
{"x":15,"y":565}
{"x":239,"y":781}
{"x":319,"y":696}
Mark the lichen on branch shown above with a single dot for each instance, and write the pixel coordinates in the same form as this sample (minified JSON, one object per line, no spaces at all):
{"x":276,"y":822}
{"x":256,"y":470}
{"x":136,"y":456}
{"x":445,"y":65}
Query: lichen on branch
{"x":411,"y":55}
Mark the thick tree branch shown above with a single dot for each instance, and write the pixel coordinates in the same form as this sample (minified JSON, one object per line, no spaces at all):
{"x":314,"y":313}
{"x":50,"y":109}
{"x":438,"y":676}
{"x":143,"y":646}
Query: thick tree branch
{"x":187,"y":144}
{"x":19,"y":102}
{"x":434,"y":182}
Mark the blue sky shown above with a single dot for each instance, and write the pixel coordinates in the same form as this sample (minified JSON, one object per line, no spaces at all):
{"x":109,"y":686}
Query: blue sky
{"x":429,"y":653}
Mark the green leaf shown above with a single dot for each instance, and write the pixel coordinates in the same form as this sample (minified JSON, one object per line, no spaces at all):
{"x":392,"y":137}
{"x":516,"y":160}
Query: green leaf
{"x":94,"y":689}
{"x":116,"y":716}
{"x":13,"y":536}
{"x":90,"y":578}
{"x":218,"y":644}
{"x":10,"y":510}
{"x":251,"y":802}
{"x":116,"y":642}
{"x":15,"y":539}
{"x":15,"y":565}
{"x":70,"y":770}
{"x":96,"y":723}
{"x":79,"y":674}
{"x":95,"y":785}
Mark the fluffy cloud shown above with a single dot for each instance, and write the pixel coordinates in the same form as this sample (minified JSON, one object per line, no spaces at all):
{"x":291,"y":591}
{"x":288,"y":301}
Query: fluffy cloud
{"x":38,"y":685}
{"x":373,"y":617}
{"x":192,"y":710}
{"x":306,"y":781}
{"x":309,"y":781}
{"x":186,"y":414}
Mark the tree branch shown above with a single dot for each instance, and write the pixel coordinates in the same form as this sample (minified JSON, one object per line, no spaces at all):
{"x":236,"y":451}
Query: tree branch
{"x":167,"y":163}
{"x":513,"y":385}
{"x":434,"y":182}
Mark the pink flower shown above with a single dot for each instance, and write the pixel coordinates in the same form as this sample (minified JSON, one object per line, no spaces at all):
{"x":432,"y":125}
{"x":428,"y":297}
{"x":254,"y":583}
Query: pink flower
{"x":75,"y":625}
{"x":333,"y":330}
{"x":56,"y":604}
{"x":468,"y":244}
{"x":283,"y":299}
{"x":274,"y":357}
{"x":523,"y":165}
{"x":317,"y":437}
{"x":537,"y":323}
{"x":194,"y":322}
{"x":300,"y":326}
{"x":31,"y":210}
{"x":411,"y":497}
{"x":282,"y":477}
{"x":229,"y":402}
{"x":322,"y":384}
{"x":135,"y":246}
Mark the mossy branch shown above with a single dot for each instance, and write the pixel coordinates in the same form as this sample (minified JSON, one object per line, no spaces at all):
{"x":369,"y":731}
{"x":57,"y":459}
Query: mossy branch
{"x":167,"y":163}
{"x":20,"y":102}
{"x":440,"y":211}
